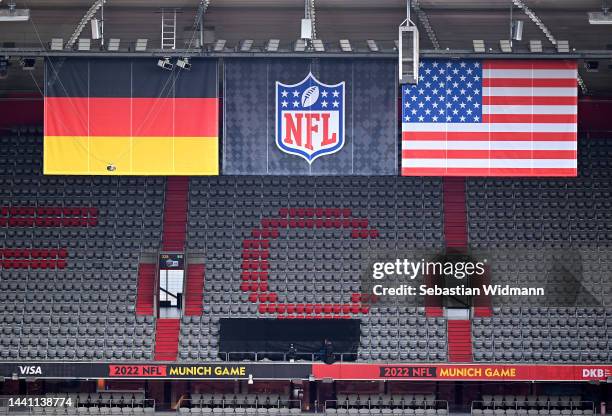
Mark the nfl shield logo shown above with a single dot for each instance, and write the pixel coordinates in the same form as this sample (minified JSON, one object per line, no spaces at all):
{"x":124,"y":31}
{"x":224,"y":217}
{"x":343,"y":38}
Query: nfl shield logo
{"x":310,"y":118}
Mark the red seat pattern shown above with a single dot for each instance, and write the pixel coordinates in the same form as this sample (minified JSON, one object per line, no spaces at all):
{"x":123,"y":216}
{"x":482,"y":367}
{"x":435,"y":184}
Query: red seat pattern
{"x":25,"y":258}
{"x":255,"y":266}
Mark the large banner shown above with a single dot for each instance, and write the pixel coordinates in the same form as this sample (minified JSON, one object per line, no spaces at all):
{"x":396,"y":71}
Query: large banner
{"x":289,"y":371}
{"x":491,"y":118}
{"x":128,"y":116}
{"x":310,"y":117}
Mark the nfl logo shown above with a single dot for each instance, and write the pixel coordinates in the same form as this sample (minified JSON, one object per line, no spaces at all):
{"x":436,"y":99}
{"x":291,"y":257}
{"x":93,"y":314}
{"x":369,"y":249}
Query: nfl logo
{"x":310,"y":118}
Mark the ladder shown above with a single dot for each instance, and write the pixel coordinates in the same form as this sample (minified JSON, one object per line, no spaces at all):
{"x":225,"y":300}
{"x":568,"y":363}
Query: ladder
{"x":168,"y":29}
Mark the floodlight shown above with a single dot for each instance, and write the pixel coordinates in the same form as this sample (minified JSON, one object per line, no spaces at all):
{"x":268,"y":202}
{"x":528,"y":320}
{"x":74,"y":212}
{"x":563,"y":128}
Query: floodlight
{"x":141,"y":45}
{"x":535,"y":46}
{"x":505,"y":46}
{"x":164,"y":63}
{"x":28,"y":64}
{"x":372,"y":45}
{"x":272,"y":45}
{"x":345,"y":45}
{"x":479,"y":46}
{"x":183,"y":63}
{"x":591,"y":66}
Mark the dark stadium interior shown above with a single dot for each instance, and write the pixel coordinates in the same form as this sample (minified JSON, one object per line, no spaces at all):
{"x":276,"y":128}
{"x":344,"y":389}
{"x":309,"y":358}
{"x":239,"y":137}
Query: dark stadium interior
{"x":166,"y":248}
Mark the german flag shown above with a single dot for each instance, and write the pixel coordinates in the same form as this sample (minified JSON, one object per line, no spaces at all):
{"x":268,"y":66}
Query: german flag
{"x":118,"y":116}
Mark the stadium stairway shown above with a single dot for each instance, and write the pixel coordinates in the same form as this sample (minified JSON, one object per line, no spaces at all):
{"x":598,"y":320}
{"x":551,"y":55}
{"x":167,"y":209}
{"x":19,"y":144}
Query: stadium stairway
{"x":144,"y":289}
{"x":460,"y":341}
{"x":175,"y":213}
{"x":455,"y":213}
{"x":167,"y":339}
{"x":194,"y":289}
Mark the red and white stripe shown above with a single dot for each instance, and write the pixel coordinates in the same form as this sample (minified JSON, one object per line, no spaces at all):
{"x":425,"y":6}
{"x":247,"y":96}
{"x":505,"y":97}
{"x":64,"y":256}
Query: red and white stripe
{"x":528,"y":128}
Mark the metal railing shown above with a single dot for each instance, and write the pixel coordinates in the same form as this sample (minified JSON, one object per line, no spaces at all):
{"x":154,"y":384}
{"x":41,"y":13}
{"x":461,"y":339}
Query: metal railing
{"x":408,"y":404}
{"x":236,"y":356}
{"x":233,"y":404}
{"x":530,"y":404}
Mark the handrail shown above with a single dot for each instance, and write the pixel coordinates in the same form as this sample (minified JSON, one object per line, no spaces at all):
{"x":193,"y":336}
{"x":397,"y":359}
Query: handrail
{"x":413,"y":404}
{"x":532,"y":404}
{"x":282,"y":356}
{"x":191,"y":403}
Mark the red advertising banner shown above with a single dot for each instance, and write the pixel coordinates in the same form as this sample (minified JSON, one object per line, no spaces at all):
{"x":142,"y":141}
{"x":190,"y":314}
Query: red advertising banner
{"x":467,"y":372}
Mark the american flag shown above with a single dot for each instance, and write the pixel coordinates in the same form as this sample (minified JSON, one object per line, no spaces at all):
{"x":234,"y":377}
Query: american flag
{"x":491,"y":118}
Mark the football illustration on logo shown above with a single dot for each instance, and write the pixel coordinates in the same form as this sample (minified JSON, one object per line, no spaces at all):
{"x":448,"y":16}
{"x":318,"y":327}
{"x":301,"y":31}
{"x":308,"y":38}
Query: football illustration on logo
{"x":310,"y":96}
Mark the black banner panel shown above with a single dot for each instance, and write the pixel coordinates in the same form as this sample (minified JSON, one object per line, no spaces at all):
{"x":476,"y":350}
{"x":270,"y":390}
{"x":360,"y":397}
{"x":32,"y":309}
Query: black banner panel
{"x":277,"y":335}
{"x":144,"y":370}
{"x":310,"y":117}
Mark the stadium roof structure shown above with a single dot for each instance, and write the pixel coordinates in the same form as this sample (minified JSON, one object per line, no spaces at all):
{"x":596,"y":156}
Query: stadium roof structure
{"x":446,"y":26}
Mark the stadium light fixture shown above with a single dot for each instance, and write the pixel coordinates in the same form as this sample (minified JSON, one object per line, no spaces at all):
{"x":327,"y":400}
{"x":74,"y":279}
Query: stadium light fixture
{"x":84,"y":44}
{"x":345,"y":45}
{"x":246,"y":45}
{"x":219,"y":45}
{"x":591,"y":66}
{"x":372,"y":45}
{"x":318,"y":45}
{"x":535,"y":46}
{"x":250,"y":380}
{"x":184,"y":64}
{"x":272,"y":45}
{"x":563,"y":46}
{"x":479,"y":46}
{"x":300,"y":45}
{"x":164,"y":63}
{"x":505,"y":46}
{"x":113,"y":44}
{"x":57,"y":44}
{"x":141,"y":45}
{"x":28,"y":64}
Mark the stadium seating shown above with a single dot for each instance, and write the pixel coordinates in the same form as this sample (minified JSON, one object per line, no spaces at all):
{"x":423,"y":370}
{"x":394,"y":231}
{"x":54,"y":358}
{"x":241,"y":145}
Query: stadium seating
{"x":318,"y":237}
{"x":239,"y":404}
{"x":531,"y":405}
{"x":387,"y":404}
{"x":69,"y":292}
{"x":553,"y":233}
{"x":291,"y":247}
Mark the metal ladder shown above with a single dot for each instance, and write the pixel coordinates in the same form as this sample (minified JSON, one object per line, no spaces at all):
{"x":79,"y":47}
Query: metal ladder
{"x":168,"y":29}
